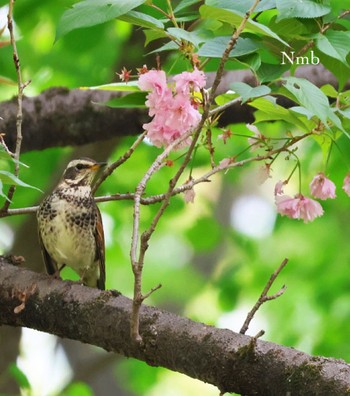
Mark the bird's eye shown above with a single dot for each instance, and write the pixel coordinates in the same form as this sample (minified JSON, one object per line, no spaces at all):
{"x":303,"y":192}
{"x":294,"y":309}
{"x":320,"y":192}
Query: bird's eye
{"x":80,"y":166}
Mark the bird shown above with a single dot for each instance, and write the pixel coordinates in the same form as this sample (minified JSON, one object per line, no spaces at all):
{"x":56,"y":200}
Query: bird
{"x":70,"y":225}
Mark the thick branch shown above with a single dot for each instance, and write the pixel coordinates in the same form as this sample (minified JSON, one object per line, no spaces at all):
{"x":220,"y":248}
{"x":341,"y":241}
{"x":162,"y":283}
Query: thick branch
{"x":60,"y":117}
{"x":233,"y":362}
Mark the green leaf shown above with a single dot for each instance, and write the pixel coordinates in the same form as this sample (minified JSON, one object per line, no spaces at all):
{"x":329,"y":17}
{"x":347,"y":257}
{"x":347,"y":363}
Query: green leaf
{"x":9,"y":178}
{"x":182,"y":34}
{"x":268,"y":72}
{"x":253,"y":61}
{"x":345,"y":113}
{"x":302,"y":110}
{"x":78,"y":389}
{"x":234,"y":18}
{"x":300,"y":9}
{"x":312,"y":98}
{"x":130,"y":86}
{"x":334,"y":44}
{"x":329,"y":90}
{"x":242,"y":5}
{"x":247,"y":92}
{"x":325,"y":142}
{"x":226,"y":97}
{"x":141,"y":19}
{"x":170,"y":46}
{"x":271,"y":111}
{"x":288,"y":27}
{"x":19,"y":376}
{"x":152,"y":35}
{"x":2,"y":194}
{"x":133,"y":100}
{"x":93,"y":12}
{"x":345,"y":97}
{"x":4,"y":155}
{"x":214,"y":48}
{"x":339,"y":6}
{"x":342,"y":71}
{"x":184,"y":4}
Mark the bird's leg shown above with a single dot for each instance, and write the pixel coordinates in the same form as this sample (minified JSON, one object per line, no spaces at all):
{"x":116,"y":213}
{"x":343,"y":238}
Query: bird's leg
{"x":82,"y":276}
{"x":56,"y":274}
{"x":61,"y":268}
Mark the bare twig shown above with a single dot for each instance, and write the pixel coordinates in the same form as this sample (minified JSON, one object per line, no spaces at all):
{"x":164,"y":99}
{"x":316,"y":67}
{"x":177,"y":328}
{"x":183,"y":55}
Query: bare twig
{"x":264,"y":297}
{"x":3,"y":144}
{"x":225,"y":106}
{"x":138,"y":261}
{"x":21,"y":87}
{"x":111,"y":168}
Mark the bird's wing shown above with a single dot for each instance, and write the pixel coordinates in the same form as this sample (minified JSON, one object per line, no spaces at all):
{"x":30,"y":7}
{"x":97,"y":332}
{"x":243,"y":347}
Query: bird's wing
{"x":100,"y":250}
{"x":50,"y":264}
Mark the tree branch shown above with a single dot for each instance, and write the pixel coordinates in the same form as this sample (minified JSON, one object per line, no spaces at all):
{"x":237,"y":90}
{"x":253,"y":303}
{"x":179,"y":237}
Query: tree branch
{"x":233,"y":362}
{"x":264,"y":297}
{"x":61,"y":117}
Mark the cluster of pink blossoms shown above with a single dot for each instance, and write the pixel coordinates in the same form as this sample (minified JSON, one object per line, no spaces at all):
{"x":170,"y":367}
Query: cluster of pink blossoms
{"x":174,"y":112}
{"x":307,"y":209}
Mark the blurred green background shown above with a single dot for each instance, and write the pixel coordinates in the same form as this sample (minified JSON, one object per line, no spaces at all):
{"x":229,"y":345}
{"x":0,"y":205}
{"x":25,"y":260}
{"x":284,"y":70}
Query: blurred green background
{"x":213,"y":257}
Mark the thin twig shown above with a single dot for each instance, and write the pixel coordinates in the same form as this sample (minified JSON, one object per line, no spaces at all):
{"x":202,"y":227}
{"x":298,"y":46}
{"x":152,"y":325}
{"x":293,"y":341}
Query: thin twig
{"x":264,"y":297}
{"x":225,"y":106}
{"x":3,"y":144}
{"x":178,"y":190}
{"x":111,"y":168}
{"x":19,"y":116}
{"x":154,"y":289}
{"x":137,"y":263}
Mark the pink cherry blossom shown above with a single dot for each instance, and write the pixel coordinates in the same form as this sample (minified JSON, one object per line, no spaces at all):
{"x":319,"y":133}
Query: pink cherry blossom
{"x":153,"y":80}
{"x":182,"y":115}
{"x":279,"y":187}
{"x":299,"y":207}
{"x":187,"y":81}
{"x":158,"y":103}
{"x":161,"y":134}
{"x":321,"y":187}
{"x":174,"y":113}
{"x":346,"y":184}
{"x":225,"y":135}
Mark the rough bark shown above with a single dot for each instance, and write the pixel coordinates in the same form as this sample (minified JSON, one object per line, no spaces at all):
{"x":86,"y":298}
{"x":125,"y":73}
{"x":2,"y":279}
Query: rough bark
{"x":233,"y":362}
{"x":62,"y":117}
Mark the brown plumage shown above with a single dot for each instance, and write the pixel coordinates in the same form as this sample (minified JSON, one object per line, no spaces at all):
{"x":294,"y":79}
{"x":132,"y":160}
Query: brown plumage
{"x":70,"y":225}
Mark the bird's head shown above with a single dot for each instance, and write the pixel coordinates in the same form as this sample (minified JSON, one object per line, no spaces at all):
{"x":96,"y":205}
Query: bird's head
{"x":81,"y":172}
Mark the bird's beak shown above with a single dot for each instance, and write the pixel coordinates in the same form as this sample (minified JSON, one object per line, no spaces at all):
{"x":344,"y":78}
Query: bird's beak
{"x":98,"y":165}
